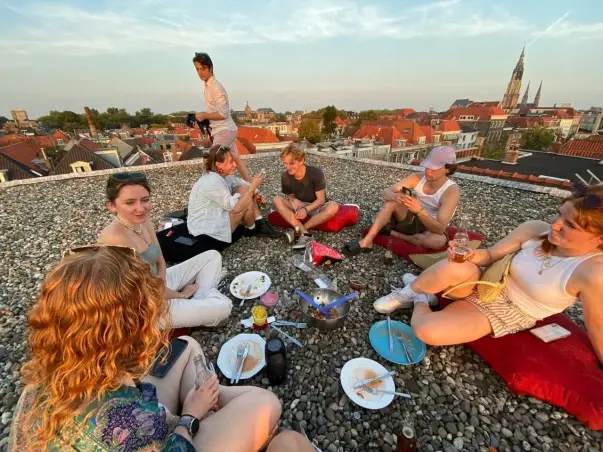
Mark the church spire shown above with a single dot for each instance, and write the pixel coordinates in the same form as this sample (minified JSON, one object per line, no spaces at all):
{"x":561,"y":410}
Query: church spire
{"x":537,"y":98}
{"x":524,"y":100}
{"x":511,"y":96}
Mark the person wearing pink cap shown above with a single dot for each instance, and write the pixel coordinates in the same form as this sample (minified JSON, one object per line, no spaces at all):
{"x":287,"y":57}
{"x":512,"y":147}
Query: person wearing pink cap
{"x":419,"y":208}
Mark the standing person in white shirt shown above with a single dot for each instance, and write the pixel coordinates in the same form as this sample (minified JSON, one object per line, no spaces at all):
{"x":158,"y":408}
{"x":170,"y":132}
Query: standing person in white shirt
{"x":223,"y":128}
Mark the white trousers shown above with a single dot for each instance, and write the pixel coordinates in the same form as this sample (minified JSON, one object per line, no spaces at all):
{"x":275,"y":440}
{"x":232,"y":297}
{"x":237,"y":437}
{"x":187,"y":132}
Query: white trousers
{"x":207,"y":307}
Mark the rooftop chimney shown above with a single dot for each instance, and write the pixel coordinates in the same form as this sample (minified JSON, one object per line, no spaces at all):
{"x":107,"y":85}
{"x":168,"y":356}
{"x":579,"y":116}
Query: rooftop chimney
{"x":512,"y":148}
{"x":90,"y":122}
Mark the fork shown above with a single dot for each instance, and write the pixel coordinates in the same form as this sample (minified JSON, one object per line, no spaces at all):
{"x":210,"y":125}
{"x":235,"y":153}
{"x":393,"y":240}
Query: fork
{"x":242,"y":364}
{"x":240,"y":353}
{"x":402,"y":343}
{"x":385,"y":391}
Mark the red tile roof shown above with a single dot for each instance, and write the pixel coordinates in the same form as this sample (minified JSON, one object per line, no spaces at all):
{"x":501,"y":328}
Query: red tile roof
{"x":89,"y":145}
{"x":145,"y":141}
{"x":483,"y":113}
{"x":448,"y":125}
{"x":386,"y":135}
{"x":182,"y":145}
{"x":180,"y":131}
{"x":257,"y":135}
{"x":194,"y":133}
{"x":60,"y":135}
{"x":406,"y":111}
{"x":591,"y":147}
{"x":411,"y":130}
{"x":23,"y":153}
{"x":244,"y":147}
{"x":155,"y":130}
{"x":139,"y":131}
{"x":429,"y":133}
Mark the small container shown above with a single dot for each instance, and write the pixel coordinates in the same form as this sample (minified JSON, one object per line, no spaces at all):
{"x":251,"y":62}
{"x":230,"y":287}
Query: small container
{"x":259,"y":315}
{"x":276,"y":360}
{"x":406,"y":441}
{"x":269,"y":299}
{"x":388,"y":257}
{"x":357,"y":283}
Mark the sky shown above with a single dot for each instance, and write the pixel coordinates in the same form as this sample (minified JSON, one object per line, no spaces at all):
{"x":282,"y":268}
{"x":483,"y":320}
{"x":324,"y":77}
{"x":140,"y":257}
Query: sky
{"x":295,"y":55}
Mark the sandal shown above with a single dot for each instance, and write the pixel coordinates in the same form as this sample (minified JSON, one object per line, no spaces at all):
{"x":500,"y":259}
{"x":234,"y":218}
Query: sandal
{"x":354,"y":248}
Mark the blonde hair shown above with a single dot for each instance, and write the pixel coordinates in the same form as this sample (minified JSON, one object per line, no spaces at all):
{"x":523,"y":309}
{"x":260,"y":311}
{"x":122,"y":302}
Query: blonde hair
{"x":295,"y":152}
{"x":95,"y":323}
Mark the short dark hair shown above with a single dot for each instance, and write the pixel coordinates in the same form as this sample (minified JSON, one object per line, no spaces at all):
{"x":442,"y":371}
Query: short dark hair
{"x":203,"y":59}
{"x":451,"y":168}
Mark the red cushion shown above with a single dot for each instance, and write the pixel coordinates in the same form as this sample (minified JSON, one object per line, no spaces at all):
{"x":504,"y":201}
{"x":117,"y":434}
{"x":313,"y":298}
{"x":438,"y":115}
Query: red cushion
{"x":347,"y":215}
{"x":564,"y":372}
{"x":402,"y":248}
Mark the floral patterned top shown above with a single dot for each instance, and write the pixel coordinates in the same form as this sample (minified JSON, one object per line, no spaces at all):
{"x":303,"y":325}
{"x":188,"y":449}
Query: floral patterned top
{"x":126,"y":420}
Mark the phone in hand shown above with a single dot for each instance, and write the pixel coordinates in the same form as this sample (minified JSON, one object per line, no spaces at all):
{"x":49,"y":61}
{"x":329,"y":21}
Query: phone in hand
{"x":177,"y":346}
{"x":407,"y":191}
{"x":183,"y":240}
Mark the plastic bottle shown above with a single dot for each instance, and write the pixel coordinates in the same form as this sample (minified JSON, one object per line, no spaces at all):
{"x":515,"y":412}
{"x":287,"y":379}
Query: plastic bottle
{"x":406,"y":440}
{"x":388,"y":257}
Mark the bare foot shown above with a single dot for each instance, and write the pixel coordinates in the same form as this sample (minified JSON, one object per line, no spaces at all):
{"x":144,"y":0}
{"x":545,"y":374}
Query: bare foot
{"x":189,"y":290}
{"x":364,"y":243}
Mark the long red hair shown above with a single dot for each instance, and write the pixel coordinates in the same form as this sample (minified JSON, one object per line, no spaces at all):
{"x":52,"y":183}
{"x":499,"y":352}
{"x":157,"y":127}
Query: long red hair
{"x":95,"y":323}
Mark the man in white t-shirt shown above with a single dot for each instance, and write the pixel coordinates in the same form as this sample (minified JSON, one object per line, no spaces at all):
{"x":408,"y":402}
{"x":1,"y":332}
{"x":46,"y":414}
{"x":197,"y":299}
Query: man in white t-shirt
{"x":223,"y":128}
{"x":419,"y":208}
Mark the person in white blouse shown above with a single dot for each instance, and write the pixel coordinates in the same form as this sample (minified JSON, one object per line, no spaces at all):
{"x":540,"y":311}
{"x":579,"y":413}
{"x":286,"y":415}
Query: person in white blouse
{"x":223,"y":128}
{"x":218,"y":216}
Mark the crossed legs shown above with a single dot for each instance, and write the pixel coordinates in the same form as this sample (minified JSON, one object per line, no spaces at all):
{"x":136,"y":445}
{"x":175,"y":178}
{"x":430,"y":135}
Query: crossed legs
{"x":248,"y":215}
{"x":285,"y":209}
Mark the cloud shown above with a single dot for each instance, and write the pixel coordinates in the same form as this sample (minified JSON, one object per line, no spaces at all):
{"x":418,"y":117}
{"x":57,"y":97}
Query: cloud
{"x":158,"y":25}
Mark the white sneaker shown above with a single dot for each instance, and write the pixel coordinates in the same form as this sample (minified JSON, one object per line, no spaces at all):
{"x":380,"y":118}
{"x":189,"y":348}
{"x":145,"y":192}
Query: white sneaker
{"x":408,"y":278}
{"x":399,"y":298}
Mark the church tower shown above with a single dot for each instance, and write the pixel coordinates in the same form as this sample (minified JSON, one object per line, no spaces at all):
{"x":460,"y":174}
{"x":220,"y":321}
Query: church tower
{"x":511,"y":96}
{"x":537,"y":98}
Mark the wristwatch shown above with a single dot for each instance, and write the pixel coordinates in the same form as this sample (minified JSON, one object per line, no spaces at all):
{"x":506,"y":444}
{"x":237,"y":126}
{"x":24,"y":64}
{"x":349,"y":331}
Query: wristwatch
{"x":190,"y":422}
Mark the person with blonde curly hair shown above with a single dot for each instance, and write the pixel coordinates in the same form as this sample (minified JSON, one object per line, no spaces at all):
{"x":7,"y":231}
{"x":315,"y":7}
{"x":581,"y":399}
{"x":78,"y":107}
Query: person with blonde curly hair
{"x":93,"y":337}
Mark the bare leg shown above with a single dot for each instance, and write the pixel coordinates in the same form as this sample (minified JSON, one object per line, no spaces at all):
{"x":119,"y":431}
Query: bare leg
{"x":284,"y":208}
{"x":241,"y":166}
{"x":245,"y":421}
{"x":172,"y":389}
{"x":290,"y":441}
{"x":427,"y":239}
{"x":446,"y":274}
{"x":384,"y":217}
{"x":328,"y":211}
{"x":235,"y":219}
{"x":460,"y":322}
{"x":251,"y":210}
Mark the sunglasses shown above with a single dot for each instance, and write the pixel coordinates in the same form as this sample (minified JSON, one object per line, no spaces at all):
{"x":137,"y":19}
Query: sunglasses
{"x":128,"y":177}
{"x":591,"y":201}
{"x":100,"y":246}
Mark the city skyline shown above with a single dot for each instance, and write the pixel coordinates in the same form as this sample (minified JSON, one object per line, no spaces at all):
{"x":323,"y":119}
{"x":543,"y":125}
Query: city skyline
{"x":355,"y":55}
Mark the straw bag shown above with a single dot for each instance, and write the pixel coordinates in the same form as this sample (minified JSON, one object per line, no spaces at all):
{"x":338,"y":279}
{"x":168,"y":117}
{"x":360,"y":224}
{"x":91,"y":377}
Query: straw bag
{"x":492,"y":282}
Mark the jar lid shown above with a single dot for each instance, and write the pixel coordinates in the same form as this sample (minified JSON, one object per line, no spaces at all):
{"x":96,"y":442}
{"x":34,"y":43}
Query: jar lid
{"x":274,"y":345}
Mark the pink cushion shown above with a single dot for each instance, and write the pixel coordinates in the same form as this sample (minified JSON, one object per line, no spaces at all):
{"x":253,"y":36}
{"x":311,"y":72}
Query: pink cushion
{"x":564,"y":372}
{"x":347,"y":215}
{"x":403,"y":248}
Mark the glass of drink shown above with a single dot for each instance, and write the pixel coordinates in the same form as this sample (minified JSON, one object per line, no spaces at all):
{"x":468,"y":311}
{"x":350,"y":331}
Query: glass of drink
{"x":460,"y":243}
{"x":259,"y":315}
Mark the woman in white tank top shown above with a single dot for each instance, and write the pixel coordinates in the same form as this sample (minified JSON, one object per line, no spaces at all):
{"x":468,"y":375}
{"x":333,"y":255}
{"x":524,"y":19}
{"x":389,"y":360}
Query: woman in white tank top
{"x":555,"y":266}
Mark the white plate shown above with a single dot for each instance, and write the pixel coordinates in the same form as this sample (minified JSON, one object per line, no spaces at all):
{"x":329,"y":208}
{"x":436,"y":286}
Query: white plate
{"x":227,"y":358}
{"x":258,"y":286}
{"x":359,"y":369}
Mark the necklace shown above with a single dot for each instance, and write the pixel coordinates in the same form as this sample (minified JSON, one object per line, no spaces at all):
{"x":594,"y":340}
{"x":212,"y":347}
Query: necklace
{"x":138,"y":233}
{"x":547,"y":263}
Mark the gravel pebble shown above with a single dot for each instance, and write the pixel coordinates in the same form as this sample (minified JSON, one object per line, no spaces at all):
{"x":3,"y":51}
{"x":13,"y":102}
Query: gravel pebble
{"x":39,"y":222}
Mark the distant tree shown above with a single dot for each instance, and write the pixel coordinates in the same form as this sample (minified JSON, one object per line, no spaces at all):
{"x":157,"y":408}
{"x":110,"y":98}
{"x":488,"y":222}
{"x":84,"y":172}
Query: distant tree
{"x":3,"y":120}
{"x":538,"y":138}
{"x":494,"y":151}
{"x":236,"y":120}
{"x":54,"y":154}
{"x":342,"y":114}
{"x":280,"y":117}
{"x":310,"y":130}
{"x":366,"y":115}
{"x":328,"y":120}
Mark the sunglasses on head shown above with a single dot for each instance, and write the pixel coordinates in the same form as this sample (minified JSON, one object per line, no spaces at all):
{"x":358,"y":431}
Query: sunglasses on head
{"x":591,"y":201}
{"x":128,"y":177}
{"x":100,"y":246}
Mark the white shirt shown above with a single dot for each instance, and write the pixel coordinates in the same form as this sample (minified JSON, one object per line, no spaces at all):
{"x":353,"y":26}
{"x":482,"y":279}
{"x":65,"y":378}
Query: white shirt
{"x":431,"y":203}
{"x":209,"y":205}
{"x":216,"y":101}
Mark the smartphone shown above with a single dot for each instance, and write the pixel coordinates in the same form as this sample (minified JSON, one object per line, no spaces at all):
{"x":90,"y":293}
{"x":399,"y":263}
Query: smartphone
{"x":407,"y":191}
{"x":550,"y":333}
{"x":183,"y":240}
{"x":174,"y":351}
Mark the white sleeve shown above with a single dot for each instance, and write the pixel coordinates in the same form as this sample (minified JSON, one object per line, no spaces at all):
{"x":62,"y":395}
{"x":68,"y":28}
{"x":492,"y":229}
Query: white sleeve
{"x":220,"y":99}
{"x":222,"y":197}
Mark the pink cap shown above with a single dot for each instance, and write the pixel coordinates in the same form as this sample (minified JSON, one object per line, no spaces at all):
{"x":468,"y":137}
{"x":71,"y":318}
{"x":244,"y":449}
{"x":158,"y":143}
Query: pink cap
{"x":438,"y":157}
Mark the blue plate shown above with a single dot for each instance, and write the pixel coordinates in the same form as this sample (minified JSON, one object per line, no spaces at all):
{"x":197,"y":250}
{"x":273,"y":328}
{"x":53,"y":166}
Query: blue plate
{"x":380,"y":342}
